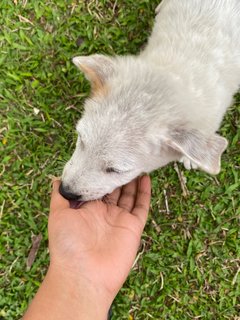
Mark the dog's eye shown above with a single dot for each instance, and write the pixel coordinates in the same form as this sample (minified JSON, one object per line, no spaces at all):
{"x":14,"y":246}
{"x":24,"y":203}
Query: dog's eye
{"x":113,"y":170}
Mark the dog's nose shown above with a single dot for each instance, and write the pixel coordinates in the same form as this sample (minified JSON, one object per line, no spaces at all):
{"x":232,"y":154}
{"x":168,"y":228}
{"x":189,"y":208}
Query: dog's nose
{"x":68,"y":195}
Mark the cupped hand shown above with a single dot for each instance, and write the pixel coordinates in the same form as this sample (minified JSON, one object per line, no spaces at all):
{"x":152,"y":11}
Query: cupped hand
{"x":99,"y":241}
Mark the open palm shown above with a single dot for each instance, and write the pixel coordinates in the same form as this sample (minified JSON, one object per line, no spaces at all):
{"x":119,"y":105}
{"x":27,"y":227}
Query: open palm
{"x":99,"y":241}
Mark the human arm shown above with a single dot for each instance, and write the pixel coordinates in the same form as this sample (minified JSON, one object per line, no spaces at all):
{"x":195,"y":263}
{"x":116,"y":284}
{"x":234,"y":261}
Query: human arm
{"x":92,"y":250}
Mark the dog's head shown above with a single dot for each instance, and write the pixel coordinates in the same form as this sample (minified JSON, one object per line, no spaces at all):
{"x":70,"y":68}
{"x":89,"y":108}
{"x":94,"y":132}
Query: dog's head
{"x":118,"y":135}
{"x":111,"y":148}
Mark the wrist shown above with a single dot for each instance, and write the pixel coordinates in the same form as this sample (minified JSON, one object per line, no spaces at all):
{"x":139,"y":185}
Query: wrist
{"x":92,"y":300}
{"x":63,"y":295}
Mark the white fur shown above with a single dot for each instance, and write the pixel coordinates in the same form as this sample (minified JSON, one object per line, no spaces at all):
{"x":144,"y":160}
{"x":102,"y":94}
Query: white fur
{"x":164,"y":104}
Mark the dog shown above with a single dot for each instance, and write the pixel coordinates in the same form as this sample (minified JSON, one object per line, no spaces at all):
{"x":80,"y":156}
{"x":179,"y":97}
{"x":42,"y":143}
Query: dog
{"x":162,"y":105}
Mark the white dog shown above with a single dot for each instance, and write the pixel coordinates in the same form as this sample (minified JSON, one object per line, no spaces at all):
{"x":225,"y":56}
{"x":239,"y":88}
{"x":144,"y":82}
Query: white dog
{"x":160,"y":106}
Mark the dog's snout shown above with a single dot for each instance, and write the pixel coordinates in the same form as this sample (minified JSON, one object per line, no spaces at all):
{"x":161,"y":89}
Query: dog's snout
{"x":68,"y":195}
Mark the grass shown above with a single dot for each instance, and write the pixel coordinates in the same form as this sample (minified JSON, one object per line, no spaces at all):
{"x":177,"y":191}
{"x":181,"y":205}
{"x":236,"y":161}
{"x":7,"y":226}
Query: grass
{"x":188,"y":265}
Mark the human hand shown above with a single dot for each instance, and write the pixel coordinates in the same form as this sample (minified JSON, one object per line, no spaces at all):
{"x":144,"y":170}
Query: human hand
{"x":92,"y":250}
{"x":98,"y":242}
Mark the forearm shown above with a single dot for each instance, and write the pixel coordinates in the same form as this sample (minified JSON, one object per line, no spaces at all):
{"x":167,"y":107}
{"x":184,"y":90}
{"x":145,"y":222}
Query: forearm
{"x":62,"y":296}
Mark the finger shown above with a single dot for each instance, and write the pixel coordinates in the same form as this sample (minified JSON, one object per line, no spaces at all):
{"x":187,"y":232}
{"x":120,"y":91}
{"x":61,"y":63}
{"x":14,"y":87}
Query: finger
{"x":57,"y":201}
{"x":113,"y":197}
{"x":128,"y":195}
{"x":143,"y":197}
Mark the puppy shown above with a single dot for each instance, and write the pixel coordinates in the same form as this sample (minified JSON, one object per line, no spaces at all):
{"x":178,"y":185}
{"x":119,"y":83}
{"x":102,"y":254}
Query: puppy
{"x":163,"y":105}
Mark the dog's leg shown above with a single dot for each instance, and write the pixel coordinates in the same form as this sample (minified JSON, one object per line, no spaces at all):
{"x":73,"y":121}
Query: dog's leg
{"x":188,"y":164}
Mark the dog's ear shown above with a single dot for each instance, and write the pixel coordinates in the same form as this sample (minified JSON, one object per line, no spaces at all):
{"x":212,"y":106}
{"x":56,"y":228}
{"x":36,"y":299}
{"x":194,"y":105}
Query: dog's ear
{"x":204,"y":151}
{"x":97,"y":69}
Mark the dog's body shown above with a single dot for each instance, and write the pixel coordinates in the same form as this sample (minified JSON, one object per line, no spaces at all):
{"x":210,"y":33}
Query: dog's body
{"x":164,"y":105}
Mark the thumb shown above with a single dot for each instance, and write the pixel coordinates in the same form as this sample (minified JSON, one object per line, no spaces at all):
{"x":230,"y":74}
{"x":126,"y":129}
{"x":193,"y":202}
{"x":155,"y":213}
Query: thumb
{"x":57,"y":201}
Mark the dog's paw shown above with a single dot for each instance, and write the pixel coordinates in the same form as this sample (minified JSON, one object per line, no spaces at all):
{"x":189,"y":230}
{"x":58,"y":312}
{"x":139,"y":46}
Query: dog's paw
{"x":188,"y":164}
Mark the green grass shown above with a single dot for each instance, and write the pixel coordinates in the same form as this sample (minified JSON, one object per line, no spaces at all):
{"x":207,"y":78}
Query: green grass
{"x":190,"y":257}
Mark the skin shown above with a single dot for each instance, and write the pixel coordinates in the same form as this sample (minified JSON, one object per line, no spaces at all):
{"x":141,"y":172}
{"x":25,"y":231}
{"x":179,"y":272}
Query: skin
{"x":92,"y":250}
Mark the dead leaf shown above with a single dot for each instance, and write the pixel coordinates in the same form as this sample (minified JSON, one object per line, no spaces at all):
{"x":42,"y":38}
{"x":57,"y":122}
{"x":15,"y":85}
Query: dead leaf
{"x":36,"y":240}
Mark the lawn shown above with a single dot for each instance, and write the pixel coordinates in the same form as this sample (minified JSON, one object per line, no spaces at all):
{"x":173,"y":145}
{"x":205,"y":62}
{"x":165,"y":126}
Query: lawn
{"x":188,"y":266}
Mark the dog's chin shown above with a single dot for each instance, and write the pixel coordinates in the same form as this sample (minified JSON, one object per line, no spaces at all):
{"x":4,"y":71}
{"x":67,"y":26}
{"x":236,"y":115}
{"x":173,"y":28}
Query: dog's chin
{"x":91,"y":198}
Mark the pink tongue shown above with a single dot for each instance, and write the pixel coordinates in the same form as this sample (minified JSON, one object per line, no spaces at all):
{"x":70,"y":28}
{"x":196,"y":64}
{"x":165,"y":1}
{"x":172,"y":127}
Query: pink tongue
{"x":76,"y":204}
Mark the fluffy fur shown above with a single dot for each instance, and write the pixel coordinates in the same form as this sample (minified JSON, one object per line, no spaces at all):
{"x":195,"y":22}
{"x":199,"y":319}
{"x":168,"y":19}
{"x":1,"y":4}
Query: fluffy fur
{"x":163,"y":105}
